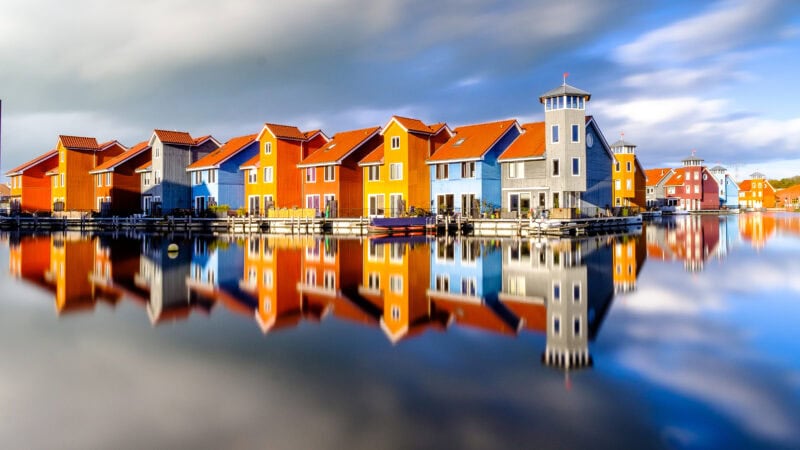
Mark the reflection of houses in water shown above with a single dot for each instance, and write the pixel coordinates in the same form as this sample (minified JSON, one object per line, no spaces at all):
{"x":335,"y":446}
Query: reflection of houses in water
{"x":162,"y":278}
{"x":215,"y":272}
{"x":691,"y":239}
{"x":562,"y":288}
{"x":757,"y":228}
{"x":465,"y":281}
{"x":629,"y":256}
{"x":29,"y":259}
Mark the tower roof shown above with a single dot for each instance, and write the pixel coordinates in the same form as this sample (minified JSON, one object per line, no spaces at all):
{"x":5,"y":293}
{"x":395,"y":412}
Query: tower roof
{"x":622,"y":143}
{"x":564,"y":89}
{"x":718,"y":168}
{"x":757,"y":176}
{"x":691,"y":158}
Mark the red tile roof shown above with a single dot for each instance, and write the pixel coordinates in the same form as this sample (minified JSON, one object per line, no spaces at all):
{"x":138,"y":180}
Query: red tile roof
{"x":146,"y":167}
{"x":437,"y":127}
{"x":78,"y":142}
{"x":654,"y":176}
{"x":790,"y":192}
{"x":252,"y":162}
{"x":310,"y":134}
{"x":175,"y":137}
{"x":232,"y":147}
{"x":122,"y":157}
{"x":530,"y":144}
{"x":285,"y":132}
{"x":109,"y":144}
{"x":374,"y":157}
{"x":472,"y":141}
{"x":201,"y":139}
{"x":342,"y":144}
{"x":677,"y":178}
{"x":416,"y":125}
{"x":32,"y":163}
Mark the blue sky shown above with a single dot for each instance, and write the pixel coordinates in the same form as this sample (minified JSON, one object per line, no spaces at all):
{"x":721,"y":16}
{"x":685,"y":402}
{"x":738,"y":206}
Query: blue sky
{"x":719,"y":77}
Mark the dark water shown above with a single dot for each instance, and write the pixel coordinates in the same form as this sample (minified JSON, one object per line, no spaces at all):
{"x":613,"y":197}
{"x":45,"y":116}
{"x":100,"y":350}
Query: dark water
{"x":683,"y":334}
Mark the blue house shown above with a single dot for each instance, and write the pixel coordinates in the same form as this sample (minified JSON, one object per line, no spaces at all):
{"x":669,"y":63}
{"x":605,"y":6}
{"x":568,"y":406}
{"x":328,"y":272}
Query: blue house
{"x":465,"y":173}
{"x":215,"y":272}
{"x":728,"y":188}
{"x":216,"y":178}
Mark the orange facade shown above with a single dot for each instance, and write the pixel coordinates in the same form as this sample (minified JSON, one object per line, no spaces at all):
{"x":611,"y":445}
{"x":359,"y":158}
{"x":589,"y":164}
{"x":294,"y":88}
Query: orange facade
{"x":72,"y":185}
{"x":757,"y":193}
{"x":117,"y":184}
{"x":629,"y":181}
{"x":30,"y":185}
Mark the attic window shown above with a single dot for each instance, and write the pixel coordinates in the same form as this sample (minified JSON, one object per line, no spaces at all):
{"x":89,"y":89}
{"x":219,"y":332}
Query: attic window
{"x":459,"y":142}
{"x":330,"y":147}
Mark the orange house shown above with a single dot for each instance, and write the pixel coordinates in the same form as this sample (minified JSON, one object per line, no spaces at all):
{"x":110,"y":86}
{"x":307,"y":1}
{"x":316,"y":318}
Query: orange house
{"x":71,"y":180}
{"x":629,"y":178}
{"x":757,"y":192}
{"x":332,"y":179}
{"x":396,"y":176}
{"x":629,"y":256}
{"x":272,"y":178}
{"x":30,"y":186}
{"x":29,"y":259}
{"x":117,"y":185}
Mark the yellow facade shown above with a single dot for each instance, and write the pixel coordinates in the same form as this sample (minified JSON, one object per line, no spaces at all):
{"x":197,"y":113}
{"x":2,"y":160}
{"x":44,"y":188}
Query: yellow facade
{"x":624,"y":183}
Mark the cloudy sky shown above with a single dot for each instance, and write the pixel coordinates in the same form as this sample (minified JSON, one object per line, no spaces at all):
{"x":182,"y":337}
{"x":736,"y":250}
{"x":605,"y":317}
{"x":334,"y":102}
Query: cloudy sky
{"x":674,"y":75}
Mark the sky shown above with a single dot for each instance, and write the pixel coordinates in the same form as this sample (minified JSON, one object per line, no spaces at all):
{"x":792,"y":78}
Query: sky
{"x":716,"y":77}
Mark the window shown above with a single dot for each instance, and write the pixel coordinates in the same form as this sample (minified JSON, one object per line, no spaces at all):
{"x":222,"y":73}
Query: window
{"x":468,"y":169}
{"x":330,"y":173}
{"x":616,"y":166}
{"x":157,"y":177}
{"x":212,"y":176}
{"x":375,"y":252}
{"x":576,"y":293}
{"x":99,"y":180}
{"x":395,"y":142}
{"x":108,"y":178}
{"x":61,"y":176}
{"x":554,"y":134}
{"x":396,"y":284}
{"x":252,"y":175}
{"x":157,"y":151}
{"x":688,"y":189}
{"x":442,"y":171}
{"x":268,"y":174}
{"x":146,"y":178}
{"x":576,"y":166}
{"x":516,"y":170}
{"x":377,"y":205}
{"x":469,"y":286}
{"x":311,"y":175}
{"x":697,"y":189}
{"x":556,"y":291}
{"x":397,"y":251}
{"x":557,"y":325}
{"x":576,"y":137}
{"x":697,"y":175}
{"x":374,"y":281}
{"x":628,"y":166}
{"x":312,"y":201}
{"x":628,"y":184}
{"x":396,"y":171}
{"x":62,"y":155}
{"x":443,"y":283}
{"x":374,"y":173}
{"x":198,"y":177}
{"x":556,"y":168}
{"x":395,"y":313}
{"x":267,"y":148}
{"x":329,"y":280}
{"x":576,"y":326}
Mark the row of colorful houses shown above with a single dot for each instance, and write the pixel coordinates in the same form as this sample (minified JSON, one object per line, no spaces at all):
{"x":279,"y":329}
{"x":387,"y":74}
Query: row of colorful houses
{"x":405,"y":165}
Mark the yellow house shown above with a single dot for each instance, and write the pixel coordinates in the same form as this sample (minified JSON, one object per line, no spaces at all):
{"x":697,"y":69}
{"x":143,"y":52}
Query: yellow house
{"x":272,"y":179}
{"x":629,"y":178}
{"x":396,"y":177}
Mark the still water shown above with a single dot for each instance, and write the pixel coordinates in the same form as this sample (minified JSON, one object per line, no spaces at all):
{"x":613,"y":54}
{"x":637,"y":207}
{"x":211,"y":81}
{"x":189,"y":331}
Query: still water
{"x":682,"y":334}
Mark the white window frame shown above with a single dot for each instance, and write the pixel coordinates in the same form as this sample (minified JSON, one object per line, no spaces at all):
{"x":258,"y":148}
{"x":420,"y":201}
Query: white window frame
{"x":468,"y":169}
{"x":575,"y":133}
{"x":268,"y":174}
{"x":311,"y":174}
{"x":377,"y":173}
{"x":395,"y":142}
{"x":396,"y":284}
{"x":555,"y":134}
{"x":396,"y":172}
{"x":252,"y":176}
{"x":268,"y":148}
{"x":332,"y":177}
{"x":556,"y":163}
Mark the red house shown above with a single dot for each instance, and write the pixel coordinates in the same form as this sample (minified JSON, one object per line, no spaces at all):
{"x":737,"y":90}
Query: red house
{"x":694,"y":187}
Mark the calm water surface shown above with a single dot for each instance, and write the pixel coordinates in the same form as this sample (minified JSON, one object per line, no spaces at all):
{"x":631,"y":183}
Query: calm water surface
{"x":682,"y":334}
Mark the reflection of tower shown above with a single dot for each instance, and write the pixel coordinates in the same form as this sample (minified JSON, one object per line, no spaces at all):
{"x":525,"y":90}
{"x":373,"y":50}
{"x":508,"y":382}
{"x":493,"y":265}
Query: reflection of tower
{"x":628,"y":260}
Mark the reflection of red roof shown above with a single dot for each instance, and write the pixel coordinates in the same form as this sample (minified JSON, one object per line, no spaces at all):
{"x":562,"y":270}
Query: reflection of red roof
{"x":530,"y":144}
{"x":78,"y":142}
{"x":374,"y":157}
{"x":472,"y":141}
{"x":122,"y":157}
{"x":654,"y":176}
{"x":175,"y":137}
{"x":472,"y":313}
{"x":32,"y":163}
{"x":342,"y":144}
{"x":218,"y":156}
{"x":534,"y":314}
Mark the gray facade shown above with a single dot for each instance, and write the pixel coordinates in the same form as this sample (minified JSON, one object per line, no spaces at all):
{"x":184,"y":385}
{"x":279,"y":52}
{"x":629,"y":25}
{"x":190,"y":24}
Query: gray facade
{"x":656,"y":194}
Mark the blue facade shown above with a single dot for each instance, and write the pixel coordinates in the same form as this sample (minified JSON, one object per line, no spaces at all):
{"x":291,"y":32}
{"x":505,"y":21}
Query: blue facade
{"x":730,"y":197}
{"x":485,"y":186}
{"x":467,"y":267}
{"x":217,"y":267}
{"x":227,"y":187}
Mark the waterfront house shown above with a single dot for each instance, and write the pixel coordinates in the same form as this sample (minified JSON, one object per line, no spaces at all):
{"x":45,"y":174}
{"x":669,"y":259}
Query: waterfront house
{"x":395,"y":175}
{"x":465,"y":172}
{"x":464,"y":283}
{"x":656,"y":180}
{"x":756,"y":192}
{"x":693,"y":187}
{"x":117,"y":185}
{"x":216,"y":179}
{"x":628,"y":175}
{"x":72,"y":188}
{"x":563,"y":162}
{"x":789,"y":198}
{"x":272,"y":179}
{"x":332,"y":181}
{"x":728,"y":188}
{"x":30,"y":186}
{"x":166,"y":186}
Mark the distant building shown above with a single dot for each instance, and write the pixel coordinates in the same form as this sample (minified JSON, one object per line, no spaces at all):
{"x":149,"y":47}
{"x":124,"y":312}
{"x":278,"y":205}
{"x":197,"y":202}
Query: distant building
{"x":656,"y":192}
{"x":790,"y":197}
{"x":728,"y":188}
{"x":628,"y":175}
{"x":564,"y":162}
{"x":693,"y":186}
{"x":756,"y":192}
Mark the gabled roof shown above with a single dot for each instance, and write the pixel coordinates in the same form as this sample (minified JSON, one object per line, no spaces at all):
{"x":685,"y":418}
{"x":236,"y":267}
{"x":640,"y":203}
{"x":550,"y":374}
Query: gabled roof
{"x":528,"y":145}
{"x":78,"y":142}
{"x":109,"y":144}
{"x":222,"y":154}
{"x":112,"y":163}
{"x":564,"y":89}
{"x":175,"y":137}
{"x":343,"y":144}
{"x":655,"y":176}
{"x":471,"y":142}
{"x":251,"y":163}
{"x":792,"y":192}
{"x":414,"y":125}
{"x":32,"y":163}
{"x":746,"y":185}
{"x":374,"y":157}
{"x":677,"y":177}
{"x":283,"y":132}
